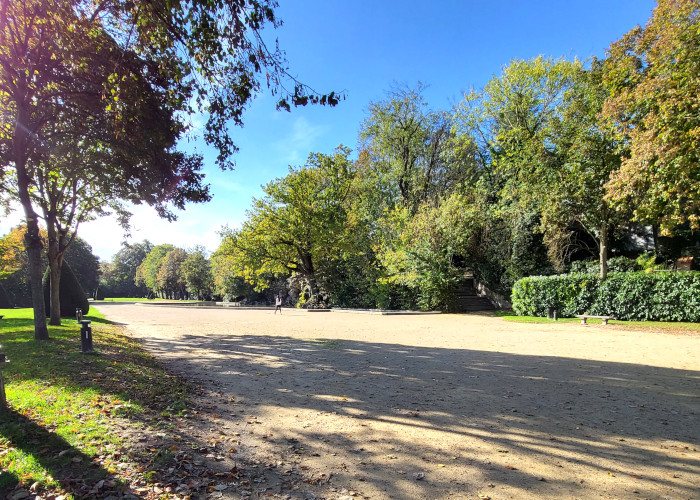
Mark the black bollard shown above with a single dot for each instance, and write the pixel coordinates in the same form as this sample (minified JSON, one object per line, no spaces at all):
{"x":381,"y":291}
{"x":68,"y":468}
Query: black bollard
{"x":3,"y":398}
{"x":86,"y":337}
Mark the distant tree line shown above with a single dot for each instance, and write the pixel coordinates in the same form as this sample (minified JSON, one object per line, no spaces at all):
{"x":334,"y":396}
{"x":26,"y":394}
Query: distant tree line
{"x":166,"y":271}
{"x":14,"y":267}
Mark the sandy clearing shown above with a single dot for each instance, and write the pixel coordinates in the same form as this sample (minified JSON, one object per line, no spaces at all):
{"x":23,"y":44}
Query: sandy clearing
{"x":448,"y":406}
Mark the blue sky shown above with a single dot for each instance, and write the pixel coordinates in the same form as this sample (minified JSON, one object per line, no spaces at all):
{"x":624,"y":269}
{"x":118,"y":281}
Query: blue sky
{"x":364,"y":47}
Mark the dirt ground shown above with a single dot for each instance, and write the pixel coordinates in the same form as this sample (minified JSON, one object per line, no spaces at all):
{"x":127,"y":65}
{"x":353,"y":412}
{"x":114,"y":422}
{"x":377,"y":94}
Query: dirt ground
{"x":342,"y":405}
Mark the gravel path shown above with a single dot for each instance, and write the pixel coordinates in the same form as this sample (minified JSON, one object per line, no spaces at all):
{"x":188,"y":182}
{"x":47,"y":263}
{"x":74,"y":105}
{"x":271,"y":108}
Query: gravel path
{"x":446,"y":406}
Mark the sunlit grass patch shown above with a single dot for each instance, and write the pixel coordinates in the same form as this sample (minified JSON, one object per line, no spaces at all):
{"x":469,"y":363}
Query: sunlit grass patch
{"x":63,"y":404}
{"x":629,"y":325}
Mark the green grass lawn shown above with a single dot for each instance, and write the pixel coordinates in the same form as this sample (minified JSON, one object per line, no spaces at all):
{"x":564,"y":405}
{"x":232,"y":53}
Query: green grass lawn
{"x":63,"y":405}
{"x":630,"y":325}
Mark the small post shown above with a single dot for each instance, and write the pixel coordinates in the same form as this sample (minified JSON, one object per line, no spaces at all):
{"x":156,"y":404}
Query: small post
{"x":554,"y":315}
{"x":86,"y":336}
{"x":79,"y":314}
{"x":3,"y":398}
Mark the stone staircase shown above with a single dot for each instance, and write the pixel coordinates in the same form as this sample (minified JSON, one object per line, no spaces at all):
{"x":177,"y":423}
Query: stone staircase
{"x":466,"y":300}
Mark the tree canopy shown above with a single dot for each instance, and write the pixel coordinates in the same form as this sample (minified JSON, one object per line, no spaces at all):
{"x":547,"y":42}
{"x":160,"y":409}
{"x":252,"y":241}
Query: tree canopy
{"x":97,"y":94}
{"x":301,"y":221}
{"x":652,"y":77}
{"x":551,"y":163}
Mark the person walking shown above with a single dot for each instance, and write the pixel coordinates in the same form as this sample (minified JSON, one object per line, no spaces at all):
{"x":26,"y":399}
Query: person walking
{"x":278,"y":304}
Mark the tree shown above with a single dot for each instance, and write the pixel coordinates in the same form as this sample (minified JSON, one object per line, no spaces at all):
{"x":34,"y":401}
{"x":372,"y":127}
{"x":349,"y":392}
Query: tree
{"x":68,"y":69}
{"x":301,"y":220}
{"x":170,"y":277}
{"x":147,"y":272}
{"x":432,"y":248}
{"x":197,"y":274}
{"x":77,"y":182}
{"x":11,"y":254}
{"x":84,"y":264}
{"x":15,"y":265}
{"x":651,"y":74}
{"x":61,"y":132}
{"x":589,"y":156}
{"x":229,"y":280}
{"x":120,"y":280}
{"x":411,"y":148}
{"x":545,"y":150}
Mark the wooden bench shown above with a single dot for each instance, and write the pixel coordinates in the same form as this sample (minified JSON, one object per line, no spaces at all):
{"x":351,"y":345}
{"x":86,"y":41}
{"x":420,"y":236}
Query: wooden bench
{"x":584,"y":317}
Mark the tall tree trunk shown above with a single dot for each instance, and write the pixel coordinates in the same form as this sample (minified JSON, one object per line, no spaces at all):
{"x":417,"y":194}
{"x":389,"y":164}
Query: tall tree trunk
{"x":34,"y":246}
{"x":311,"y":278}
{"x":55,"y":284}
{"x":603,"y":252}
{"x":308,"y":270}
{"x":32,"y":240}
{"x":55,"y":264}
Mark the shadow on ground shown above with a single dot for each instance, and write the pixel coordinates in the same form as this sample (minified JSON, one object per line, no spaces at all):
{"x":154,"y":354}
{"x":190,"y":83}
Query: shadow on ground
{"x":75,"y":471}
{"x":466,"y":419}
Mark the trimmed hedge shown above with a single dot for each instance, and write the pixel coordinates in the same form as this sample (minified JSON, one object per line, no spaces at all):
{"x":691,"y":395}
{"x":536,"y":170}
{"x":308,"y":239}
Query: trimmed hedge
{"x":70,"y":292}
{"x":626,"y":296}
{"x":5,"y":302}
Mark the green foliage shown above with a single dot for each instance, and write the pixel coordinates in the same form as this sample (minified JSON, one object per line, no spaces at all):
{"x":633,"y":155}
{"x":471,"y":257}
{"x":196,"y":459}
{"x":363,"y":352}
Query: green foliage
{"x":647,"y":262}
{"x":430,"y":248}
{"x":413,"y":150}
{"x":301,"y":222}
{"x":71,"y":293}
{"x":229,"y":282}
{"x":636,"y":296}
{"x":119,"y":275}
{"x":651,"y":74}
{"x":196,"y":272}
{"x":537,"y":127}
{"x":170,"y":276}
{"x":16,"y":266}
{"x":108,"y":88}
{"x":147,"y":271}
{"x":615,"y":265}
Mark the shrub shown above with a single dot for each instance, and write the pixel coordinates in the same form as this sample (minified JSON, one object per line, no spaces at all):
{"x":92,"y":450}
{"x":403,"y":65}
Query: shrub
{"x":615,"y":265}
{"x":71,"y":293}
{"x":5,"y":302}
{"x":636,"y":296}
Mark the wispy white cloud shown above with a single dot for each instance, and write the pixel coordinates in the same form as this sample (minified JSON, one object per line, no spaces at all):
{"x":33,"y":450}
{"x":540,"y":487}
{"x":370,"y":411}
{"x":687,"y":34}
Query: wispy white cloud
{"x":296,"y":146}
{"x":220,"y":185}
